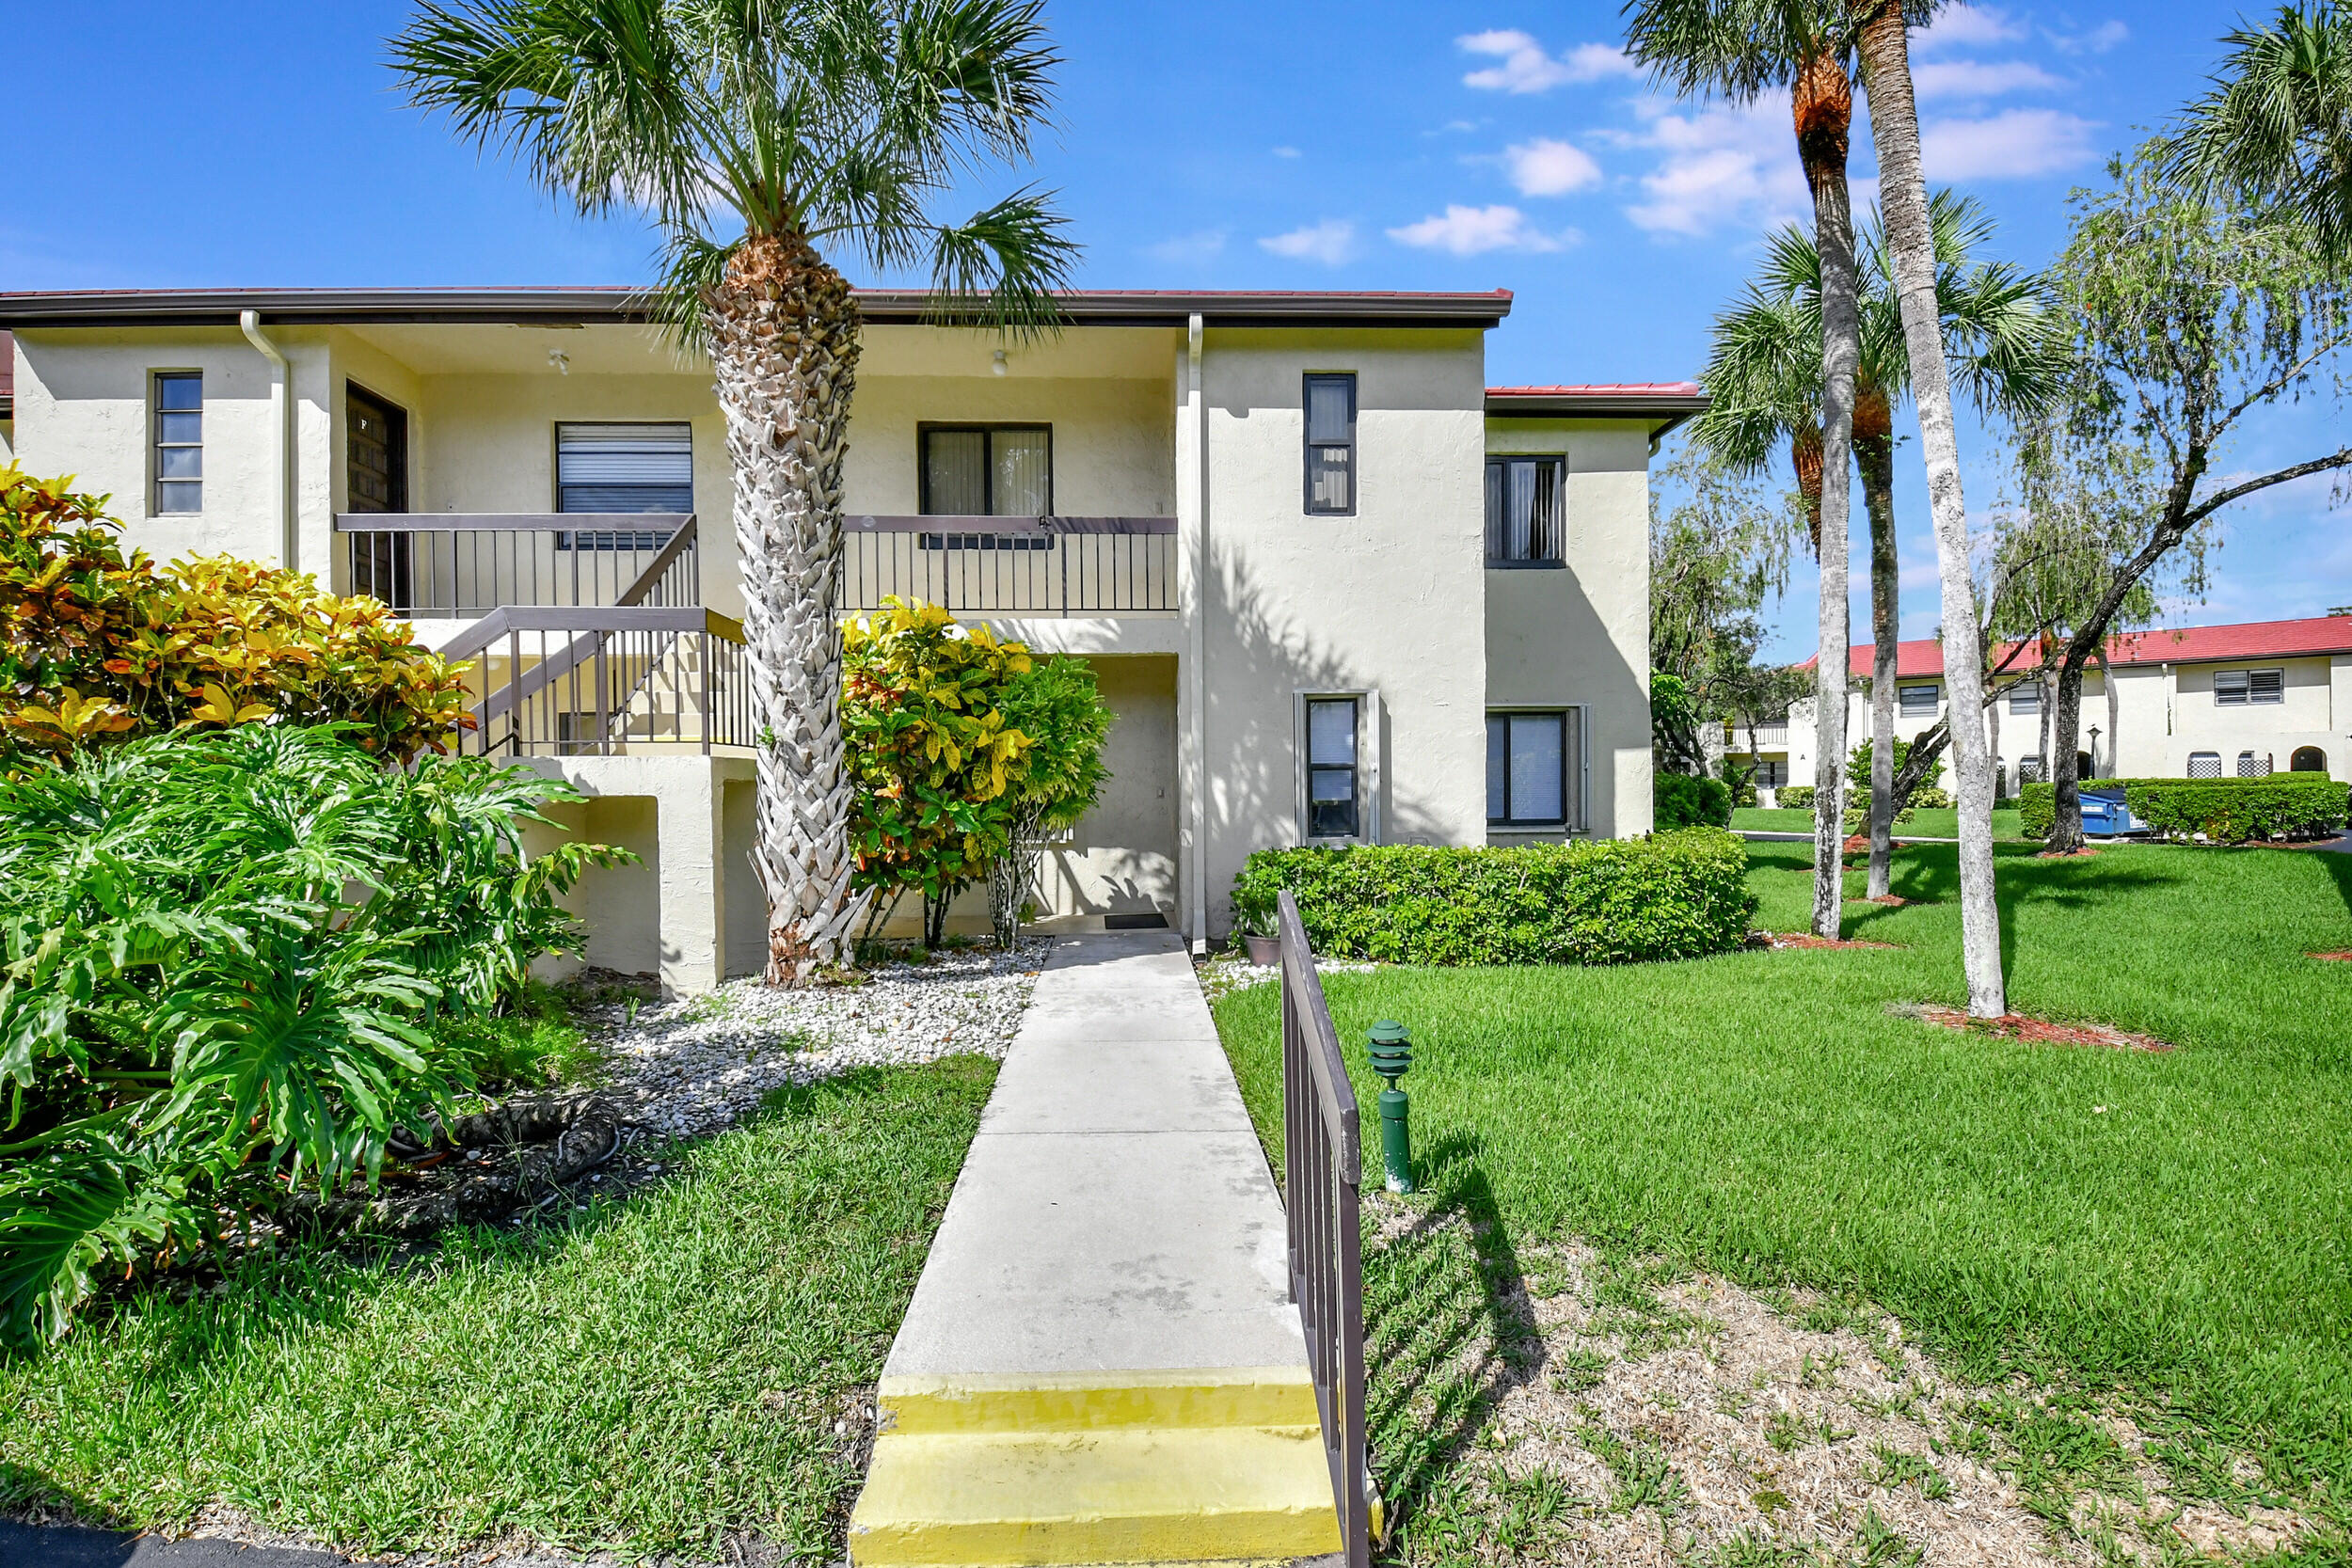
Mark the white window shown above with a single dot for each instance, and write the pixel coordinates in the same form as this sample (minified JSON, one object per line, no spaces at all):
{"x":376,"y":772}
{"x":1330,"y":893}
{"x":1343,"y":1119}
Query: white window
{"x":1916,"y":702}
{"x":2025,"y":699}
{"x":1533,"y":768}
{"x":1330,"y":401}
{"x":2204,"y":765}
{"x":178,"y":437}
{"x":1526,"y":510}
{"x":2237,"y":687}
{"x":622,"y":468}
{"x":1339,"y":748}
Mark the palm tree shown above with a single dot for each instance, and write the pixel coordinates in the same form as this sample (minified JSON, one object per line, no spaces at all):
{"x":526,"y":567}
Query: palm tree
{"x":754,"y":134}
{"x":1739,"y":49}
{"x":2000,"y":331}
{"x":1884,"y":45}
{"x":2277,"y":126}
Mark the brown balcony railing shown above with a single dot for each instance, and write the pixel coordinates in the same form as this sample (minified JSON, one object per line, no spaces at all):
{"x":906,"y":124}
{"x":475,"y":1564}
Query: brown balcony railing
{"x":604,"y":681}
{"x":435,"y":565}
{"x":1056,"y":566}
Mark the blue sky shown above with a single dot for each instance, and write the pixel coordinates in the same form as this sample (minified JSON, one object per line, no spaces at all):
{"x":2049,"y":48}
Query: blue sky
{"x":1212,"y":144}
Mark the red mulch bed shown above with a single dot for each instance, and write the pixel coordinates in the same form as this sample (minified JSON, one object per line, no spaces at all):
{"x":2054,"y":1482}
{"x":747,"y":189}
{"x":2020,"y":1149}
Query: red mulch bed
{"x":2342,"y":955}
{"x":2082,"y":854}
{"x":1776,"y":940}
{"x":2040,"y":1031}
{"x":1891,"y":900}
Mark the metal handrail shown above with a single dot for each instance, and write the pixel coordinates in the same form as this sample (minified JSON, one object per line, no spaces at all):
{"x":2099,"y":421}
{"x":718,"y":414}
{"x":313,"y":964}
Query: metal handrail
{"x":432,"y":564}
{"x":625,"y":645}
{"x":1323,"y":1178}
{"x":1019,"y":566}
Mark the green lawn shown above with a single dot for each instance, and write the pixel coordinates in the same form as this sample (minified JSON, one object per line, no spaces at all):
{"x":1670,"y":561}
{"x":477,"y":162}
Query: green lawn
{"x":652,"y":1376}
{"x":2151,"y":1228}
{"x":1925,"y":822}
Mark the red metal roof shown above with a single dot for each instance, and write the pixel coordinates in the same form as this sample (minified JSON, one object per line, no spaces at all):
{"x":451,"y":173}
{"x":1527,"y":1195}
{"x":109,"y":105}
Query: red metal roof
{"x":1600,"y":388}
{"x":2320,"y":634}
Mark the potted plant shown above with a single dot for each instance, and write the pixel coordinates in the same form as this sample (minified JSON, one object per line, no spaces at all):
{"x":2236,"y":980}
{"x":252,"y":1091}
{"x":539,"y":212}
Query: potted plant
{"x":1260,"y":939}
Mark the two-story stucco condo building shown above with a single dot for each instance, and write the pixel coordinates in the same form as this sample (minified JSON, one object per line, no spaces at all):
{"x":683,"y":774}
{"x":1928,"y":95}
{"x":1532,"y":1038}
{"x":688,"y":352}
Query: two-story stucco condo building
{"x":2236,"y":701}
{"x":1336,"y":587}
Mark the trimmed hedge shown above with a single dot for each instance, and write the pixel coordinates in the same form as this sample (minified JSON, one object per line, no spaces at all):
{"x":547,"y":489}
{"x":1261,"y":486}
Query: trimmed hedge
{"x":1669,"y":895}
{"x":1688,"y":801}
{"x":2227,"y":811}
{"x":1795,"y":797}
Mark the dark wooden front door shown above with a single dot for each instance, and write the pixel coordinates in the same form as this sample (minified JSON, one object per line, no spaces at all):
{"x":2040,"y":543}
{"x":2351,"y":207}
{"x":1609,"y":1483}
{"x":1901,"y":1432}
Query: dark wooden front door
{"x":377,"y":473}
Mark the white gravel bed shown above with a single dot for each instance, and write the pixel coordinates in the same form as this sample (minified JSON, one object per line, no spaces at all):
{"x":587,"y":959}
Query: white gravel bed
{"x":698,"y":1064}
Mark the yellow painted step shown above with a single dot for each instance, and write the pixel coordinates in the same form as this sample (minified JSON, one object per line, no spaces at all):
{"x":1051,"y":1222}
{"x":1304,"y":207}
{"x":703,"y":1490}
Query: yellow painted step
{"x":1093,"y":1402}
{"x":1181,"y":1495}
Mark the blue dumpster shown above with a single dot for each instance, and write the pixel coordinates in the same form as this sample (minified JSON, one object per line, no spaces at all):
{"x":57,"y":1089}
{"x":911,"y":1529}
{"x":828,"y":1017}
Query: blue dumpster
{"x":2105,"y":813}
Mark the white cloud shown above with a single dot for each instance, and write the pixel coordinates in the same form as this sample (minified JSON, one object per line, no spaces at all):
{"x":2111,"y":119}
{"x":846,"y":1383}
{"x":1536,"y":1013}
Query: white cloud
{"x":2015,"y":144}
{"x":1330,"y":242}
{"x":1979,"y":78}
{"x":1719,"y":167}
{"x":1286,"y":152}
{"x":1968,"y":26}
{"x":2106,"y":36}
{"x":1547,"y":167}
{"x":1472,"y":230}
{"x":1527,"y":68}
{"x":1202,"y":244}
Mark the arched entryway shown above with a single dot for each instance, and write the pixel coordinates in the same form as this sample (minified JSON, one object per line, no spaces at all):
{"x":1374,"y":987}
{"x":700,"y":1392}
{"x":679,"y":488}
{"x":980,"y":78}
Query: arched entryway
{"x":2308,"y":759}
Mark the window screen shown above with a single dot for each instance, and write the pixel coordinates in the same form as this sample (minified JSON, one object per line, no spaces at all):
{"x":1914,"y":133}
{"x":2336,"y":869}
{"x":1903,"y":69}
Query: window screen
{"x":2237,"y":687}
{"x":1330,"y":401}
{"x":988,"y":470}
{"x":1916,"y":701}
{"x":2024,"y":700}
{"x":2252,"y":767}
{"x":2204,"y":765}
{"x":1530,"y":769}
{"x":622,"y":468}
{"x":180,"y":442}
{"x":1525,"y":509}
{"x":1334,"y":805}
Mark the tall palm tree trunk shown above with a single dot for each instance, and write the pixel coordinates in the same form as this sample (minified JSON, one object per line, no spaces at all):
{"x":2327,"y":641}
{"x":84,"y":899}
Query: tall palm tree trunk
{"x":1874,"y":454}
{"x":1903,"y":194}
{"x":783,"y":345}
{"x":1822,"y":104}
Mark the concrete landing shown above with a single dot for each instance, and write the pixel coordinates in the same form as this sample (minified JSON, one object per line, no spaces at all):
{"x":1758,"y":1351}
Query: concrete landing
{"x":1102,"y":1363}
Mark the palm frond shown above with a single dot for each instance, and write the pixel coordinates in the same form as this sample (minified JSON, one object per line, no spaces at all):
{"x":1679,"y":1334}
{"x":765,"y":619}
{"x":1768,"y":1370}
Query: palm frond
{"x":999,"y":269}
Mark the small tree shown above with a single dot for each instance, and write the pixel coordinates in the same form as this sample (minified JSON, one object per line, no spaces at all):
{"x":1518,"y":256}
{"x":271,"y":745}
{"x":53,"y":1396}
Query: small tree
{"x":936,"y":762}
{"x":1058,"y":707}
{"x":2193,"y":315}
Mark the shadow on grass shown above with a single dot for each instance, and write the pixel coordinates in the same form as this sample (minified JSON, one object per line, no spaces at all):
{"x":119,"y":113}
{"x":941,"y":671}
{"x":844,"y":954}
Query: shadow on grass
{"x":1930,"y":874}
{"x":1448,"y":1329}
{"x":323,"y":1282}
{"x":2339,"y":866}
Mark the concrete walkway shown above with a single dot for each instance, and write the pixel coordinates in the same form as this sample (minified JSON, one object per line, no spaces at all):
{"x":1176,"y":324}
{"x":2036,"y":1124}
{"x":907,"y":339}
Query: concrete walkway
{"x":1102,"y":1363}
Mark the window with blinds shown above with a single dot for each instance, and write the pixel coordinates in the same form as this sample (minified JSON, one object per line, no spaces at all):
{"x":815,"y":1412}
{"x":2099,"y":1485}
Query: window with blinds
{"x":1004,"y":470}
{"x":1330,"y":406}
{"x":1525,"y":510}
{"x":2238,"y":688}
{"x":622,"y":468}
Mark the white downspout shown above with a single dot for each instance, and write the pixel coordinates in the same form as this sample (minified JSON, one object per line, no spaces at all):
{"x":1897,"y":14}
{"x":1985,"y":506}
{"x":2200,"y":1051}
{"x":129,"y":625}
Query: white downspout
{"x":282,"y":407}
{"x":1197,"y":645}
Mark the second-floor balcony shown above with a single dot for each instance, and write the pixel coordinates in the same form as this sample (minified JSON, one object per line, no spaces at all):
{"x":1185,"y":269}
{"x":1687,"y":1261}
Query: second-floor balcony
{"x":1772,"y":734}
{"x":463,"y":566}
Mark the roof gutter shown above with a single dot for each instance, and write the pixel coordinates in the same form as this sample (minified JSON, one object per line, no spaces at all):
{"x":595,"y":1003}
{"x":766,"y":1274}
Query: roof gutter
{"x":282,"y":410}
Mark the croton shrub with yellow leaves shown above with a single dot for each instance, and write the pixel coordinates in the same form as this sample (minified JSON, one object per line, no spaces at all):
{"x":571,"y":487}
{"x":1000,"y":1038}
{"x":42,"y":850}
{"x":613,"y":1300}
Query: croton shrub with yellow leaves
{"x":95,"y":642}
{"x":944,"y":775}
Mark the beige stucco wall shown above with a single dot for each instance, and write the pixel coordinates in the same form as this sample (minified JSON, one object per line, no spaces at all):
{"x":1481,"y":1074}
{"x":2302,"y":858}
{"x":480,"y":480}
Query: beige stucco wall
{"x":1385,"y":600}
{"x":1114,"y":454}
{"x":82,"y":409}
{"x":1580,"y":638}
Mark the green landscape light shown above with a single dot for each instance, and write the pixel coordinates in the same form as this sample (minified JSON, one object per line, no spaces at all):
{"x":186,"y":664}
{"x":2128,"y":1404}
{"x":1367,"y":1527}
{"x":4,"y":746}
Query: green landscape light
{"x":1391,"y":1049}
